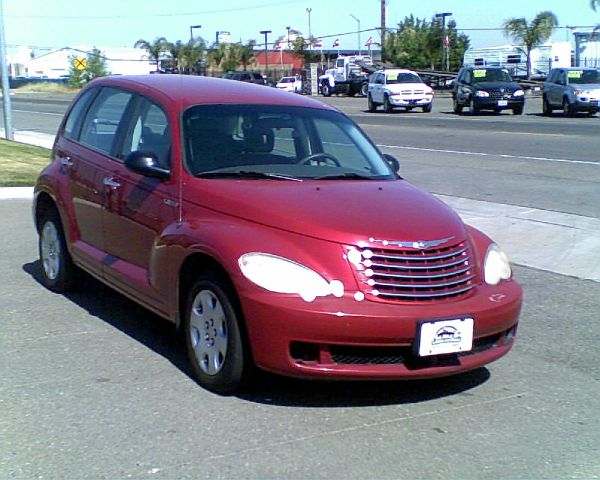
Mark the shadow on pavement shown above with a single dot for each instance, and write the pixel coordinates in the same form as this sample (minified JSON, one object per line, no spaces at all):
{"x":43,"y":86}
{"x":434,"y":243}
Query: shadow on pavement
{"x":160,"y":336}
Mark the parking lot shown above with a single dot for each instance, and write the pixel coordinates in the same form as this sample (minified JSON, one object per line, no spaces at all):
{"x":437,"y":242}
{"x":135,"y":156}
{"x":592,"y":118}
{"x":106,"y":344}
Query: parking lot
{"x":96,"y":387}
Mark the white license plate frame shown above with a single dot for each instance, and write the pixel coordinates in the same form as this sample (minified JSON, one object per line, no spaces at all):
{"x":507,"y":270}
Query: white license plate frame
{"x":442,"y":337}
{"x":503,"y":103}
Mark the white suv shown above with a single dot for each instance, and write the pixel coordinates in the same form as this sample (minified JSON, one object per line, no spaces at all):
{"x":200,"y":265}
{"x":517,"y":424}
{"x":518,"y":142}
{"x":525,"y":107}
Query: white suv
{"x":396,"y":87}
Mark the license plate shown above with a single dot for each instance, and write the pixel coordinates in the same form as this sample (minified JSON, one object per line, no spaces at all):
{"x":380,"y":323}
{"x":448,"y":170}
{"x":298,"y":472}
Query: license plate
{"x":502,"y":103}
{"x":445,"y":336}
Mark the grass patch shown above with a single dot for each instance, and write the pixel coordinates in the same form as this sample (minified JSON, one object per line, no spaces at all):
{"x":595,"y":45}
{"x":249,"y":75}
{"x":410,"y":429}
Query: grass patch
{"x":20,"y":164}
{"x":46,"y":87}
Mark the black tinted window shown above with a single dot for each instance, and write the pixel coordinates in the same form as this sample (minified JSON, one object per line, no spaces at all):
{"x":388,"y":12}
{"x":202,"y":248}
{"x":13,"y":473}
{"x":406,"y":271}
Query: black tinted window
{"x":148,"y":131}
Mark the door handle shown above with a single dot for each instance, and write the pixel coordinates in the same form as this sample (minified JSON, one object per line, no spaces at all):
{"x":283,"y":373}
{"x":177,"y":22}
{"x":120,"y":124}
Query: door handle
{"x":65,"y":161}
{"x":111,"y":183}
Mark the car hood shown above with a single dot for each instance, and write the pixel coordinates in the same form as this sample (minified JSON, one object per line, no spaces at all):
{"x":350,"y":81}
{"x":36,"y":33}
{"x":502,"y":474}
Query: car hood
{"x":344,"y":211}
{"x":399,"y":87}
{"x":585,"y":86}
{"x":497,"y":85}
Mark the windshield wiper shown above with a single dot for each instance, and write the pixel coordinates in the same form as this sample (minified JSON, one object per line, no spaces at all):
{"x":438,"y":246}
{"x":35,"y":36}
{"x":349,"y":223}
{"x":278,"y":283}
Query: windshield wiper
{"x":249,"y":175}
{"x":345,"y":176}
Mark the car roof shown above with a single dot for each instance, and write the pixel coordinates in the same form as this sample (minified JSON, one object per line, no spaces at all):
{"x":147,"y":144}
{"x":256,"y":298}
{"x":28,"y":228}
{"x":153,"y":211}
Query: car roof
{"x":396,"y":70}
{"x":187,"y":90}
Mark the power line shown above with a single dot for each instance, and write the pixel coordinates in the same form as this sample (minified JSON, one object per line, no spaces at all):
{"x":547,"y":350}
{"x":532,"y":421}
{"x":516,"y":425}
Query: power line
{"x":151,"y":15}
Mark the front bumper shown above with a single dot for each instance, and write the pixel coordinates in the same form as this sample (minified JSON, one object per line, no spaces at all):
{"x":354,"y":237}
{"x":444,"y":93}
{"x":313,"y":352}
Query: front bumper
{"x":343,"y":338}
{"x":588,"y":103}
{"x":488,"y":103}
{"x":400,"y":101}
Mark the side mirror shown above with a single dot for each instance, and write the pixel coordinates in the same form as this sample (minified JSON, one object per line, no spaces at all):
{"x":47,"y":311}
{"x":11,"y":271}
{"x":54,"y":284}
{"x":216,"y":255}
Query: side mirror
{"x":393,"y":161}
{"x":147,"y":164}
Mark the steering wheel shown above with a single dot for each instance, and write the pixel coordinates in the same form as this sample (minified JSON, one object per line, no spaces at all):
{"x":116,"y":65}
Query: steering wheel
{"x":324,"y":158}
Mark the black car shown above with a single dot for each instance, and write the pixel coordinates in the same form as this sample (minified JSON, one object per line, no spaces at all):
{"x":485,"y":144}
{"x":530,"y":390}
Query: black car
{"x":487,"y":88}
{"x":245,"y":76}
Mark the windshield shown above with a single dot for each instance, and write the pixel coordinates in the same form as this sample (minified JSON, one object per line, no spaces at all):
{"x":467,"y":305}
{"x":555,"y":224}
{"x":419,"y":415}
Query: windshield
{"x":495,"y":75}
{"x":287,"y":80}
{"x":392,"y":78}
{"x":583,"y":77}
{"x":283,"y":142}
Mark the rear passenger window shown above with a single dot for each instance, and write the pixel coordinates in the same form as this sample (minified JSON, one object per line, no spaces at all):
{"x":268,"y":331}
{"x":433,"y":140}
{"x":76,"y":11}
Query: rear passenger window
{"x":102,"y":121}
{"x":73,"y":124}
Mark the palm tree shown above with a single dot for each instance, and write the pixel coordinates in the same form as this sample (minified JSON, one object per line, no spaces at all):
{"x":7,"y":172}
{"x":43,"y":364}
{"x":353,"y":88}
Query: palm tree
{"x":155,"y":49}
{"x":192,"y":53}
{"x":594,"y":4}
{"x":531,"y":35}
{"x":246,"y":53}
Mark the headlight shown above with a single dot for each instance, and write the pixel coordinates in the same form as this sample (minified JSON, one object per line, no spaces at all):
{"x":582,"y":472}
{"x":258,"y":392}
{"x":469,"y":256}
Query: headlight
{"x":481,"y":93}
{"x":496,"y":265}
{"x":518,"y":93}
{"x":280,"y":275}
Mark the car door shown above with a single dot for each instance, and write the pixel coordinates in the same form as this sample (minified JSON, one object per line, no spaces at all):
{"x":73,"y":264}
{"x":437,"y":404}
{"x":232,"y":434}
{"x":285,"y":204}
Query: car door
{"x":464,"y":89}
{"x":84,"y":150}
{"x":138,"y":208}
{"x":553,"y":88}
{"x":377,"y":94}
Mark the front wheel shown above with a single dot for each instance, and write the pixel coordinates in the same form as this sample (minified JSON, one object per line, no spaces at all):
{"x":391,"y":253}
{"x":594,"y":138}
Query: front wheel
{"x":326,"y":90}
{"x":58,"y":271}
{"x":213,"y":335}
{"x":568,"y":109}
{"x":364,"y":89}
{"x":387,"y":106}
{"x":372,"y":106}
{"x":457,"y":107}
{"x":518,"y":110}
{"x":473,"y":110}
{"x":427,"y":108}
{"x":546,"y":108}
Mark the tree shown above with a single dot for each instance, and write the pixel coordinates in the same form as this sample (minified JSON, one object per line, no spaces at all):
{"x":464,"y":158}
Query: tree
{"x":246,"y":53}
{"x":416,"y":44}
{"x":155,"y":49}
{"x":82,"y":72}
{"x":193,"y":52}
{"x":531,"y":35}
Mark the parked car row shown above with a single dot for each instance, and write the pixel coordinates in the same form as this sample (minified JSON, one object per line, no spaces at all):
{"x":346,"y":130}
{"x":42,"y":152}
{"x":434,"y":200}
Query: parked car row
{"x":289,"y":84}
{"x":570,"y":90}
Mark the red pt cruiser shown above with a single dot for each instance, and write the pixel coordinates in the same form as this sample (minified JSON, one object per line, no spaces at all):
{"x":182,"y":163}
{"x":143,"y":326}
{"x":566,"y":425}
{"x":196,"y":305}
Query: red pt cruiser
{"x":271,"y":230}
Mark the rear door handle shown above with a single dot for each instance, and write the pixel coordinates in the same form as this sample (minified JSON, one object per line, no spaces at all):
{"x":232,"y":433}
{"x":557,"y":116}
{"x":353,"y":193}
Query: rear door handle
{"x":111,"y":183}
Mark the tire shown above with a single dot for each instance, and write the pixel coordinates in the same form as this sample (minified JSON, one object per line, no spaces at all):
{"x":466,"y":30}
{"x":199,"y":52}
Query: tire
{"x":387,"y":106}
{"x":213,"y":336}
{"x":58,"y":271}
{"x":473,"y":110}
{"x":326,"y":90}
{"x":546,"y":107}
{"x":372,"y":105}
{"x":518,"y":110}
{"x":457,"y":107}
{"x":427,"y":108}
{"x":364,"y":89}
{"x":568,"y":109}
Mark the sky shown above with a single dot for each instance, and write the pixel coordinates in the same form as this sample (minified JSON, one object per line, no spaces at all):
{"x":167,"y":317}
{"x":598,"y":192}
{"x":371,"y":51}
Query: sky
{"x":50,"y":24}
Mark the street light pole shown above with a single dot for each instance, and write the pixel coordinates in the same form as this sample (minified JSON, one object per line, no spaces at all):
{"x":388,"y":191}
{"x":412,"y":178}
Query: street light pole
{"x":191,"y":29}
{"x":308,"y":10}
{"x":265,"y":33}
{"x":358,"y":33}
{"x":8,"y":128}
{"x":443,"y":17}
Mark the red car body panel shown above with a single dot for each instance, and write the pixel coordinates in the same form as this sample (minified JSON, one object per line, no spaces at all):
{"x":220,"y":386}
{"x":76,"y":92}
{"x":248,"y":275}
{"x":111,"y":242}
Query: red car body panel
{"x":137,"y":237}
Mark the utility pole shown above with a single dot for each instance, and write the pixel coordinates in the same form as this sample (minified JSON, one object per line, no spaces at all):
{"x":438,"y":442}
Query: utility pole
{"x":443,"y":17}
{"x":8,"y":128}
{"x":382,"y":30}
{"x":265,"y":33}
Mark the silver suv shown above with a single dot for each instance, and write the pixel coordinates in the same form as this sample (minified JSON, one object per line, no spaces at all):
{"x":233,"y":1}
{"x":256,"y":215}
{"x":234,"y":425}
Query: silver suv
{"x":573,"y":90}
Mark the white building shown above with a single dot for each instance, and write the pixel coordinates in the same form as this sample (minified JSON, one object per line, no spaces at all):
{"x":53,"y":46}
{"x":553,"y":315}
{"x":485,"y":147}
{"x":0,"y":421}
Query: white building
{"x":56,"y":64}
{"x":514,"y":58}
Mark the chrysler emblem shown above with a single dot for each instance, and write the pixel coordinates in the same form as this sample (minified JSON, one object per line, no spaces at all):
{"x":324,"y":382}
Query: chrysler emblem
{"x":417,"y":244}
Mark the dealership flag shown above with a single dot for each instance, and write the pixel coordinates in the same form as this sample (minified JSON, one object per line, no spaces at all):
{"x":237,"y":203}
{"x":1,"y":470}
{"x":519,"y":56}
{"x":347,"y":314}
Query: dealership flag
{"x":319,"y":43}
{"x":336,"y":43}
{"x":369,"y":42}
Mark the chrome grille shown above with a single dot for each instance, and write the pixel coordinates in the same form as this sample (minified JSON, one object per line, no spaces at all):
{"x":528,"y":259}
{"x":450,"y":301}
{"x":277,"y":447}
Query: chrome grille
{"x":498,"y":95}
{"x":415,"y":275}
